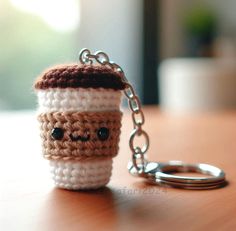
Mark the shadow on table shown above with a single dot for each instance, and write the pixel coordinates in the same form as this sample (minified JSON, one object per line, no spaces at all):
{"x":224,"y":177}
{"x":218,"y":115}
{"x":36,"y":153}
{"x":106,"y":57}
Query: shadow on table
{"x":104,"y":209}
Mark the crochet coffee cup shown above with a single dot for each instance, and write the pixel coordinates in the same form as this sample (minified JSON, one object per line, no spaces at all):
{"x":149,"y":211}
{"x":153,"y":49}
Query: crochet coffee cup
{"x":80,"y":121}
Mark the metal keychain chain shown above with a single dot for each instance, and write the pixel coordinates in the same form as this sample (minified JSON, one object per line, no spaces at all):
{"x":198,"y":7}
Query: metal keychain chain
{"x":154,"y":172}
{"x":138,"y":153}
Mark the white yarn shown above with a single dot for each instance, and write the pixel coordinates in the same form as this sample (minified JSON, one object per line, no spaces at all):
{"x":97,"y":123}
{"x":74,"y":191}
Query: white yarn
{"x":78,"y":100}
{"x":75,"y":175}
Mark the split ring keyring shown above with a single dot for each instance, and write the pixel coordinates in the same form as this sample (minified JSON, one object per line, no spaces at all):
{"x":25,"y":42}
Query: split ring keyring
{"x":160,"y":173}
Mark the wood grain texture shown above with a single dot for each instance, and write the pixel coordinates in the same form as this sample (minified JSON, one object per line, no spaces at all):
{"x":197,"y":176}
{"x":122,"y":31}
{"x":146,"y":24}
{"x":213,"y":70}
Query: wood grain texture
{"x":28,"y":200}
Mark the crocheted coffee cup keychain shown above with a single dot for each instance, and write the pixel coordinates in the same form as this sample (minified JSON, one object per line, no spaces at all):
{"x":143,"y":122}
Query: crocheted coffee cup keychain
{"x":80,"y":121}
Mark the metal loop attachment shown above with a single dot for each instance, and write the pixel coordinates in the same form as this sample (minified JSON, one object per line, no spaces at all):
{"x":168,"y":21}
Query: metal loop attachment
{"x":139,"y":133}
{"x":161,"y":174}
{"x":84,"y":56}
{"x":138,"y":118}
{"x":139,"y":161}
{"x":102,"y":57}
{"x":135,"y":104}
{"x":129,"y":91}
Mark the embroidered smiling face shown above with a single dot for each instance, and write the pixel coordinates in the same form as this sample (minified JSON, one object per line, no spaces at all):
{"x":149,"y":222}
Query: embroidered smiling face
{"x":102,"y":134}
{"x":81,"y":135}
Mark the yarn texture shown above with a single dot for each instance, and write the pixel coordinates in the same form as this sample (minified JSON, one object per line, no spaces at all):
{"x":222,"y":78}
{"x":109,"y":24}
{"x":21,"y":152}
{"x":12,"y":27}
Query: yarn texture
{"x":80,"y":120}
{"x":80,"y":76}
{"x":79,"y":100}
{"x":80,"y":124}
{"x":81,"y":175}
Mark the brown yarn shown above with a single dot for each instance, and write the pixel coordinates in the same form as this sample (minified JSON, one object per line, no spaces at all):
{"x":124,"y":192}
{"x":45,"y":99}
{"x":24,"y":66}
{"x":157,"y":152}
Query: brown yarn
{"x":79,"y":124}
{"x":75,"y":76}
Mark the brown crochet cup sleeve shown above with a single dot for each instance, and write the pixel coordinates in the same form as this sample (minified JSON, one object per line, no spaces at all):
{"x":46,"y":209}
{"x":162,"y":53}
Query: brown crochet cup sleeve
{"x":81,"y":138}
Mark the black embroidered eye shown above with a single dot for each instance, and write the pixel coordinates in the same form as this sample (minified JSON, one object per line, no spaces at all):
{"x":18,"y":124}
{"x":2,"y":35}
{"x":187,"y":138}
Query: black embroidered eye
{"x":103,"y":133}
{"x":57,"y":133}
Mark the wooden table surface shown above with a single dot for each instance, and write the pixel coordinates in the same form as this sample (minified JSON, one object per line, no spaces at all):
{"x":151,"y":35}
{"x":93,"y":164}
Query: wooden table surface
{"x":29,"y":201}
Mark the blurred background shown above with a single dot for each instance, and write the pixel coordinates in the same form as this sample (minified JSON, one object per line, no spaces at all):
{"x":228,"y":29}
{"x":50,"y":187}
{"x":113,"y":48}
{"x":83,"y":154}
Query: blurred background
{"x":177,"y":53}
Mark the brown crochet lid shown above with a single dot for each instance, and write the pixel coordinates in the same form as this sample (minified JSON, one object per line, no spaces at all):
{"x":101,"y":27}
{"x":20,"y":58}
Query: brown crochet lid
{"x":84,"y":76}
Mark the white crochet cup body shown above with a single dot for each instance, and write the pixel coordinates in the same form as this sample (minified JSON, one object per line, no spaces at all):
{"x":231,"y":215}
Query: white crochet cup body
{"x":80,"y":121}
